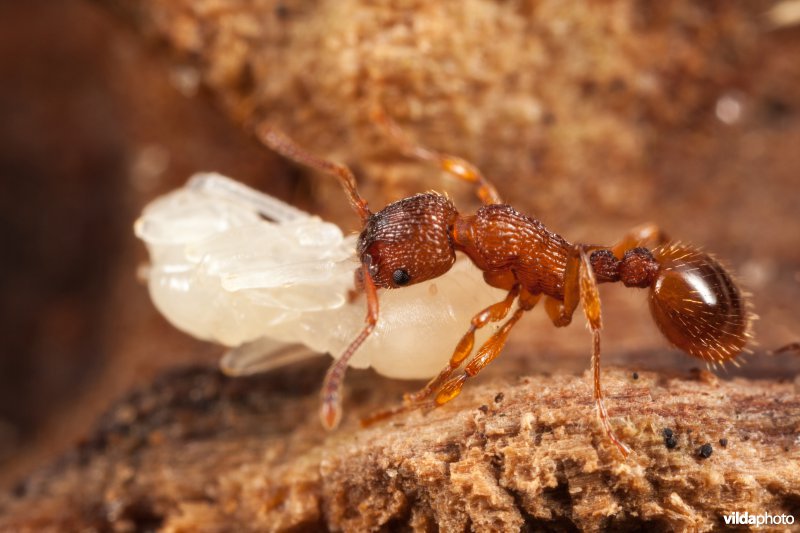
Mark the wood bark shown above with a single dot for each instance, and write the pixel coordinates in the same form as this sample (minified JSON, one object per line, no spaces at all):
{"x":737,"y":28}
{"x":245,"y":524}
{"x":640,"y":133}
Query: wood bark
{"x":201,"y":452}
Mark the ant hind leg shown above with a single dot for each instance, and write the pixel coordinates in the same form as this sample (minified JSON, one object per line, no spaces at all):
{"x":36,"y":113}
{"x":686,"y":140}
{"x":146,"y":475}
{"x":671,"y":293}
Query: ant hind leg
{"x":639,"y":236}
{"x":487,"y":352}
{"x":580,"y":286}
{"x":590,"y":300}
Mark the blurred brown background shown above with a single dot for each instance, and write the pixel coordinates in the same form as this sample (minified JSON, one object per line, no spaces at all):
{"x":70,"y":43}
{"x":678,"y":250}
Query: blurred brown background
{"x":91,"y":129}
{"x":591,"y":118}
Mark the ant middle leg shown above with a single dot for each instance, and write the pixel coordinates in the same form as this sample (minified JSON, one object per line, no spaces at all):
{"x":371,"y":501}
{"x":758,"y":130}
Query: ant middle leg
{"x":486,"y":353}
{"x":493,"y":313}
{"x":560,"y":312}
{"x":456,"y":166}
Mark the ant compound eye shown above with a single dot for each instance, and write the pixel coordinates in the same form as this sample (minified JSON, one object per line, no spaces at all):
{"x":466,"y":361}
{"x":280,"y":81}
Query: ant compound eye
{"x":400,"y":277}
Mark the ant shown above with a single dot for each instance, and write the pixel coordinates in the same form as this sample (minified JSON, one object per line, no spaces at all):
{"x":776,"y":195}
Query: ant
{"x":693,"y":300}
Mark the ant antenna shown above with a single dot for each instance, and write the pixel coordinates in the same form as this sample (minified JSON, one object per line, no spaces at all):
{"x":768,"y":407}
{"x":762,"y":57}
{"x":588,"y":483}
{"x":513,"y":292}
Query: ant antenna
{"x":331,"y":409}
{"x":281,"y":143}
{"x":460,"y":168}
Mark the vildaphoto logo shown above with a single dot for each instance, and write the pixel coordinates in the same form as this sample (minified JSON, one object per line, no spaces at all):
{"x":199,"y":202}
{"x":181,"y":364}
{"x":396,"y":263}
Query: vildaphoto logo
{"x":758,"y":520}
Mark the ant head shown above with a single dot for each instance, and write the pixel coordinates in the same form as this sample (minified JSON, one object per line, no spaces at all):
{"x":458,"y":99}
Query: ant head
{"x":409,"y":241}
{"x":696,"y":304}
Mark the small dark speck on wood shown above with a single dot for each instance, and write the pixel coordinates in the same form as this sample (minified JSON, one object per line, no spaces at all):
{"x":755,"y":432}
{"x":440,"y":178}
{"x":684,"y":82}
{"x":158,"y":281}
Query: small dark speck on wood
{"x":670,"y":440}
{"x":705,"y":450}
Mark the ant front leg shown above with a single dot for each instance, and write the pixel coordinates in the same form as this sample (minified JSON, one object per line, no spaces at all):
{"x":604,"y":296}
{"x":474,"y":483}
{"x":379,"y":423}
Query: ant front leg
{"x":331,"y":395}
{"x":457,"y":167}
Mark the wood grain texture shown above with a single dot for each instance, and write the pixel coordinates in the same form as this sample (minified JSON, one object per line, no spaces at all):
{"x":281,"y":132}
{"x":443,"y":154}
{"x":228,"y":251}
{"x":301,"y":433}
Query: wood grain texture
{"x":200,"y":452}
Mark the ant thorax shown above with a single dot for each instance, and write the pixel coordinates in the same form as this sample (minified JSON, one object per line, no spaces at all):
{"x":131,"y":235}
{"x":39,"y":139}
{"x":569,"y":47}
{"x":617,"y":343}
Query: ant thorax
{"x":499,"y":239}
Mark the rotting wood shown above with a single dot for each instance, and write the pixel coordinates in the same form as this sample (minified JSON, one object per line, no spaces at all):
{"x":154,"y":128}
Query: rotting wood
{"x":197,"y":451}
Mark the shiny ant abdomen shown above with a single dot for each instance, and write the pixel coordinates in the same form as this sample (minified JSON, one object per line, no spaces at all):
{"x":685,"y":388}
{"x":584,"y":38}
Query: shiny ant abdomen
{"x":693,"y":300}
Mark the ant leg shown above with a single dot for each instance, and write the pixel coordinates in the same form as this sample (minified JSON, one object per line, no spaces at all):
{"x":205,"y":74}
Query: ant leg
{"x":580,"y":285}
{"x":487,"y":353}
{"x":639,"y":236}
{"x":331,"y":408}
{"x":493,"y":313}
{"x":590,"y":299}
{"x":281,"y":143}
{"x":460,"y":168}
{"x":560,"y":312}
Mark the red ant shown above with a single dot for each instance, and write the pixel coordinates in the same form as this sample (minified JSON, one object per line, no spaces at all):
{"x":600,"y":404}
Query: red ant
{"x":693,"y":299}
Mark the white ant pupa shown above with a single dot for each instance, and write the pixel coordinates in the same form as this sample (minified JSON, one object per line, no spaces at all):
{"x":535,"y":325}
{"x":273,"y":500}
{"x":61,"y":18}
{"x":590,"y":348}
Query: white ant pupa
{"x":235,"y":266}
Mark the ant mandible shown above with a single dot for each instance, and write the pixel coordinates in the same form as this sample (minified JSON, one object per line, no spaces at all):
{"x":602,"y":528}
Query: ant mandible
{"x":693,"y":300}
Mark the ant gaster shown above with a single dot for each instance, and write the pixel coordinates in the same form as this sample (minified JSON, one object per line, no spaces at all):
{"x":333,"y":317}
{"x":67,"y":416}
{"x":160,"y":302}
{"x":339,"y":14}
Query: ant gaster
{"x":693,"y":300}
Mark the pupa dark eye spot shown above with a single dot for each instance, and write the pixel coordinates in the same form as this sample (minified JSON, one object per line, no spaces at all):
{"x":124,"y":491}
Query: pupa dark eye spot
{"x":400,"y":277}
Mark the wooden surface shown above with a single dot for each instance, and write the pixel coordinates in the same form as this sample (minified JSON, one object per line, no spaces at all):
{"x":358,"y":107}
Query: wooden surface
{"x":199,"y":452}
